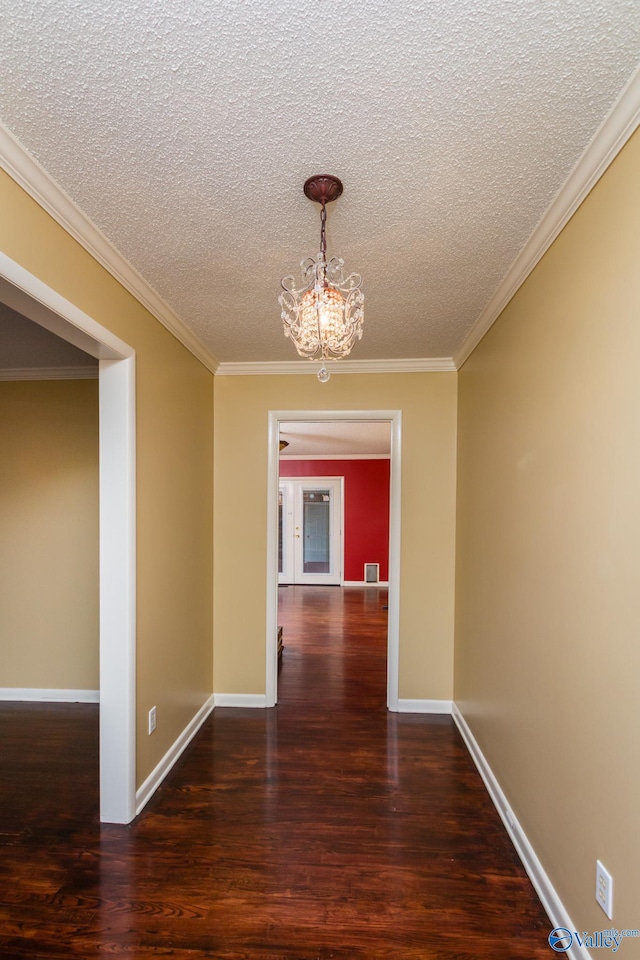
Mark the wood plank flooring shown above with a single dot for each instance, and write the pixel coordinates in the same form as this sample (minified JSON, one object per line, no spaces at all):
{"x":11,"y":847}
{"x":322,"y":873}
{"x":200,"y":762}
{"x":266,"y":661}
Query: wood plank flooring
{"x":325,"y":828}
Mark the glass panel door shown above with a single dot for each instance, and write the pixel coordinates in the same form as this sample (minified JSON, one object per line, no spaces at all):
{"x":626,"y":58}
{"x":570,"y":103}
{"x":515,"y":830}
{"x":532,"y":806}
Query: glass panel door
{"x":310,"y":528}
{"x":316,"y":531}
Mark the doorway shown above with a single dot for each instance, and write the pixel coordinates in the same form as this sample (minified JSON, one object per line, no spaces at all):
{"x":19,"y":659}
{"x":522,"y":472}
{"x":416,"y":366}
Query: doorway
{"x":394,"y":419}
{"x":27,"y":295}
{"x":310,"y":531}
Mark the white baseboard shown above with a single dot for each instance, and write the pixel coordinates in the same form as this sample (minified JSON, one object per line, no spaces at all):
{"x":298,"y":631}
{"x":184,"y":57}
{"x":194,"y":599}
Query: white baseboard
{"x":257,"y":700}
{"x":365,"y":583}
{"x":40,"y":694}
{"x":155,"y":778}
{"x":424,"y":706}
{"x":550,"y":900}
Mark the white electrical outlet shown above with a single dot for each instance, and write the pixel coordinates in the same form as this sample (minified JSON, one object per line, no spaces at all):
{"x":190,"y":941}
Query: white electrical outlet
{"x":604,"y":889}
{"x":152,"y":719}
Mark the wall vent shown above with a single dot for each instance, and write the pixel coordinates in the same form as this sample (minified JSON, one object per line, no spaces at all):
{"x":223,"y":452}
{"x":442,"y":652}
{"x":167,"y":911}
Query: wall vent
{"x":372,"y":573}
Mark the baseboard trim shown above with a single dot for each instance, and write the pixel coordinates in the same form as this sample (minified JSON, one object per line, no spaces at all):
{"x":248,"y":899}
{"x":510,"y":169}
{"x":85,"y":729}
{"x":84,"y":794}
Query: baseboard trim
{"x":40,"y":694}
{"x":424,"y":706}
{"x":365,"y":583}
{"x":253,"y":700}
{"x":155,"y":778}
{"x":558,"y":916}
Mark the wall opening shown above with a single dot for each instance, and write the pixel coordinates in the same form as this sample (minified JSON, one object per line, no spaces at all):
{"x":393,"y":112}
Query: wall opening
{"x":27,"y":295}
{"x":394,"y":418}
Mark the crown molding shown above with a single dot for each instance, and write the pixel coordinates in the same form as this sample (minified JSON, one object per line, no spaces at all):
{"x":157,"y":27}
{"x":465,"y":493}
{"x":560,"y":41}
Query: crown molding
{"x":27,"y":172}
{"x":300,"y":367}
{"x":609,"y":139}
{"x":50,"y":373}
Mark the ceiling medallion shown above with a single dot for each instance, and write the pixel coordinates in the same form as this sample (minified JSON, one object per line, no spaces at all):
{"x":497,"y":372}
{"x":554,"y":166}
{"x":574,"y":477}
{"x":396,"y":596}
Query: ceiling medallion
{"x":324,"y":316}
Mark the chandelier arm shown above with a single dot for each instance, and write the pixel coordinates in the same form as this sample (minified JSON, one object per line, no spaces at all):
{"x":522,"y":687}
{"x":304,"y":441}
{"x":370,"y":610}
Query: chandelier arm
{"x":352,"y":282}
{"x":308,"y":269}
{"x":288,"y":284}
{"x":335,"y":273}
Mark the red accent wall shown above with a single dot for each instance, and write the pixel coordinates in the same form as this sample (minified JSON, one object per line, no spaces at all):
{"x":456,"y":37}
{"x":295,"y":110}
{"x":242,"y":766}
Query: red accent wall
{"x":366,"y":508}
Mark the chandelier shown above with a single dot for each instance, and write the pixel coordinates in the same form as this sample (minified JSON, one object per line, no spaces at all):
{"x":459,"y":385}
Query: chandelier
{"x":324,"y":316}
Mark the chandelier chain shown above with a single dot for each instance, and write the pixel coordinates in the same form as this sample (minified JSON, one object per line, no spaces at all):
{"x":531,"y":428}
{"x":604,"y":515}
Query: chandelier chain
{"x":323,"y":231}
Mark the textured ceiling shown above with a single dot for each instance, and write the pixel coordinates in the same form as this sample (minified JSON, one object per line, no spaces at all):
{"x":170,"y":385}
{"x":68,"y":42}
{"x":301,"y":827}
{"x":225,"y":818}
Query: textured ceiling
{"x":185,"y":129}
{"x":336,"y":438}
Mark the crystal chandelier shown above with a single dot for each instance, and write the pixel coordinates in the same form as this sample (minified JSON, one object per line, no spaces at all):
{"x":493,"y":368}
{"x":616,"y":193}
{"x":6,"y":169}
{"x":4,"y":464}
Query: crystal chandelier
{"x":324,"y":316}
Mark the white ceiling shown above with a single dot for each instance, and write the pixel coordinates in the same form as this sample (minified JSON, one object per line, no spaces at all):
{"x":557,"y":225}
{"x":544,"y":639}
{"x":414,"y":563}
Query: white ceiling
{"x":341,"y":438}
{"x":185,"y":129}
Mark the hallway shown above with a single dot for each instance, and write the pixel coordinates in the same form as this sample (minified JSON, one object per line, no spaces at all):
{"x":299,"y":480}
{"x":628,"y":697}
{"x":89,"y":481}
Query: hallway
{"x":324,"y":828}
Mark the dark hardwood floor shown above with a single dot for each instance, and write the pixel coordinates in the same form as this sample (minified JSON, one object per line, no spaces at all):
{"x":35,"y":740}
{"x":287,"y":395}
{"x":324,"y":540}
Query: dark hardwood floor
{"x":325,"y":828}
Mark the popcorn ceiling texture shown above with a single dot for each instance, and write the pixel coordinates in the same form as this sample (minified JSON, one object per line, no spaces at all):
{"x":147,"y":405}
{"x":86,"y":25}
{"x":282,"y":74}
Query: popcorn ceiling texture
{"x":185,"y":129}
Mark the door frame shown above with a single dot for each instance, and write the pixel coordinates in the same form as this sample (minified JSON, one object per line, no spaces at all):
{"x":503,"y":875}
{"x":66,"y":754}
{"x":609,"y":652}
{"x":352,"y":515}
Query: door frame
{"x":394,"y":418}
{"x":337,"y":517}
{"x":31,"y":297}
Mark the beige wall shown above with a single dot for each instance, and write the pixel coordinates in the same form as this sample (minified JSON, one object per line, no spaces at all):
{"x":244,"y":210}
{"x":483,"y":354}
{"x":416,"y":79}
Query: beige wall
{"x":547,"y":616}
{"x":547,"y":660}
{"x":174,"y":424}
{"x":428,"y":404}
{"x":49,"y":611}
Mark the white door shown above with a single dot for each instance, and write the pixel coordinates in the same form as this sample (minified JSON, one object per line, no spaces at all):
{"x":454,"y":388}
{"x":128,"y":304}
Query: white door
{"x":310,"y":530}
